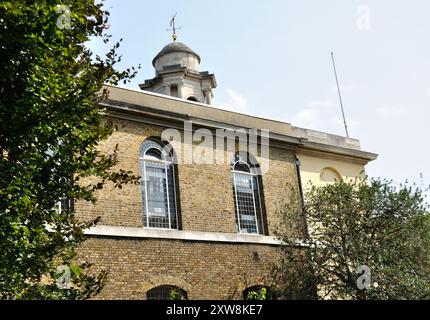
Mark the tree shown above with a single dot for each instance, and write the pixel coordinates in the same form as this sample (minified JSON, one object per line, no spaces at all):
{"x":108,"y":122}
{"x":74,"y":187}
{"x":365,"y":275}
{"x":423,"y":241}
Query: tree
{"x":51,"y":125}
{"x":258,"y":294}
{"x":362,"y":240}
{"x":175,"y":294}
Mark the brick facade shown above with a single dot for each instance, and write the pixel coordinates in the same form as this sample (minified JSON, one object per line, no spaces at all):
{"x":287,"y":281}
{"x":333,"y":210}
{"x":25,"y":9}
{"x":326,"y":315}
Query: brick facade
{"x":206,"y":270}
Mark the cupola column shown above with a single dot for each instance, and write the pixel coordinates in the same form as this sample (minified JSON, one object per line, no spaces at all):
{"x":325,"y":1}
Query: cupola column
{"x":208,"y":96}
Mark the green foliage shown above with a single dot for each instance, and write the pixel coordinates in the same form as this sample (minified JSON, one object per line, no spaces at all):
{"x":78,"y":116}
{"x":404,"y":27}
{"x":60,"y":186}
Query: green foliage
{"x":176,"y":295}
{"x":50,"y":127}
{"x":257,"y":295}
{"x":349,"y":225}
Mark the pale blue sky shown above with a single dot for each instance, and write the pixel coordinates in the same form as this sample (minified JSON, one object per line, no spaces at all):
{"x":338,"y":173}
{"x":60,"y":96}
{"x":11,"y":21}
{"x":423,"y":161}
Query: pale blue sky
{"x":272,"y":59}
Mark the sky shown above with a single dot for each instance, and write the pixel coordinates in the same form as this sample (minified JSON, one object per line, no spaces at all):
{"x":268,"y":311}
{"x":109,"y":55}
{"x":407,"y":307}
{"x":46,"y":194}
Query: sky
{"x":272,"y":59}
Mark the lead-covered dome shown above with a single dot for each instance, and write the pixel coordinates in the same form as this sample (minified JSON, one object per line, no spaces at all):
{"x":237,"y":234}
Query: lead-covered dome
{"x":175,"y":47}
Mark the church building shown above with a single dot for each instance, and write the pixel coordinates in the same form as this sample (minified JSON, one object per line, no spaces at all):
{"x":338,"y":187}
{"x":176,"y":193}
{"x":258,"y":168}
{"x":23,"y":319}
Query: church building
{"x":202,"y":220}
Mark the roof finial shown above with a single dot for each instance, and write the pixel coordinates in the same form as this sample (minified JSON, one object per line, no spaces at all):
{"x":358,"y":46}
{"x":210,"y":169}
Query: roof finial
{"x":173,"y":27}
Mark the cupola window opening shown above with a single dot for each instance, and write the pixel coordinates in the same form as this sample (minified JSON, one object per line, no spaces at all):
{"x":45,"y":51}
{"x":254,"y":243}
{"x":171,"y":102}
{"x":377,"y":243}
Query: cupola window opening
{"x":174,"y":90}
{"x":191,"y":98}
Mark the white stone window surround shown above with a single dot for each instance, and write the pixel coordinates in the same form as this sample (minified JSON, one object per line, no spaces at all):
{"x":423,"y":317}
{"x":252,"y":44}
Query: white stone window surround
{"x":151,"y":233}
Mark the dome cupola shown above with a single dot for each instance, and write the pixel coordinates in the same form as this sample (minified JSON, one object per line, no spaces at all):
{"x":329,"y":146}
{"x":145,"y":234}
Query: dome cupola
{"x":177,"y":74}
{"x":176,"y":54}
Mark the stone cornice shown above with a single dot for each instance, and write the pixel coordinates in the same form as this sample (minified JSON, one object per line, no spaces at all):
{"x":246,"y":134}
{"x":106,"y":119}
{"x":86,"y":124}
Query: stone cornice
{"x":174,"y":120}
{"x":185,"y":235}
{"x":145,"y":107}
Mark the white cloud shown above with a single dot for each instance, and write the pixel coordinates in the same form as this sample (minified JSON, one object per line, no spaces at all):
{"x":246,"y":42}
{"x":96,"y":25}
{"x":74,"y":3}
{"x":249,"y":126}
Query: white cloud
{"x":391,"y":111}
{"x":315,"y":114}
{"x":235,"y":102}
{"x":322,"y":115}
{"x":306,"y":118}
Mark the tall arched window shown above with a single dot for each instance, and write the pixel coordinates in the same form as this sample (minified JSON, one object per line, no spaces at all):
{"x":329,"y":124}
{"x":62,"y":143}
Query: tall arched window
{"x":158,"y":186}
{"x":247,"y":195}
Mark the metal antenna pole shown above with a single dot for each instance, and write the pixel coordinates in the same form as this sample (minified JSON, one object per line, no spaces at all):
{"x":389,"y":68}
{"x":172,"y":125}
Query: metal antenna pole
{"x":340,"y":95}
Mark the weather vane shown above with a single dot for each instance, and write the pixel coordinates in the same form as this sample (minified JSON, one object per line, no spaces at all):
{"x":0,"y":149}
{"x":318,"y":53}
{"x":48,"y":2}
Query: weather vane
{"x":173,"y":27}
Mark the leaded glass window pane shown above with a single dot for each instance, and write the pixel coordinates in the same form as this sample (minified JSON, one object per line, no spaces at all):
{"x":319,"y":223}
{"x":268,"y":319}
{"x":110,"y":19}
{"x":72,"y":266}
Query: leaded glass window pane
{"x":158,"y":188}
{"x":247,"y":197}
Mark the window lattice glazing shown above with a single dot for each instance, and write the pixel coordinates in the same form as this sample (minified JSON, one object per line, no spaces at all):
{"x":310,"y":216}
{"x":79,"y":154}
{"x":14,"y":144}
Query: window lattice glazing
{"x":247,"y":196}
{"x":158,"y":187}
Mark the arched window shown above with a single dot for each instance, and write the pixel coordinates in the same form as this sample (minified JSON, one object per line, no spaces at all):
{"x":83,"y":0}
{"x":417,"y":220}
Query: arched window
{"x":257,"y":293}
{"x":166,"y":293}
{"x":192,"y":98}
{"x":247,"y":195}
{"x":158,"y":186}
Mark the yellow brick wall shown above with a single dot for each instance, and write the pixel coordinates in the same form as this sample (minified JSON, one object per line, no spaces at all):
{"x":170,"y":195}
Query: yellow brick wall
{"x":207,"y":270}
{"x":205,"y":190}
{"x":204,"y":270}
